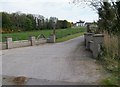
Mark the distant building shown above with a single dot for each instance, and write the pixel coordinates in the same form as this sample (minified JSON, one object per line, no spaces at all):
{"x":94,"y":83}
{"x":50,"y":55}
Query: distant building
{"x":80,"y":23}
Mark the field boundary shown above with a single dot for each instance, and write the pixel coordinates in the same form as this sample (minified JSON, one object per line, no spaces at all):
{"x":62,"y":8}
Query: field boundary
{"x":9,"y":44}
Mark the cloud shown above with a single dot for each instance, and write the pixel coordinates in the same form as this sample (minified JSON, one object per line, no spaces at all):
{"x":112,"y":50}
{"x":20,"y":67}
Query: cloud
{"x":34,"y":0}
{"x":56,"y":8}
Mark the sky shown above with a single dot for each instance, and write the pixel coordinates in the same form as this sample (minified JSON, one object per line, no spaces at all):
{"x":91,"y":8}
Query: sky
{"x":61,"y":9}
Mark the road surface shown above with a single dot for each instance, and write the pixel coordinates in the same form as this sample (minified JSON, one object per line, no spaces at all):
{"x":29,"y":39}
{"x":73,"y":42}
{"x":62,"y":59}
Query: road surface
{"x":60,"y":63}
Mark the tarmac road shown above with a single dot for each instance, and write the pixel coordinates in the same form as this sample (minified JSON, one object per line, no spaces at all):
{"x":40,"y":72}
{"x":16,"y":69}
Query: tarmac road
{"x":66,"y":63}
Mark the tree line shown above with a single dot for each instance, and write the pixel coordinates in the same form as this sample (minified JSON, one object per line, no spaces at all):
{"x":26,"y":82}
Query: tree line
{"x":16,"y":22}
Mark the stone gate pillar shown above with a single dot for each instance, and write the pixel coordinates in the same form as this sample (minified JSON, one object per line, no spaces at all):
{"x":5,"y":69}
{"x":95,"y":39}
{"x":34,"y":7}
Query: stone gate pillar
{"x":32,"y":40}
{"x":88,"y":38}
{"x":98,"y":39}
{"x":8,"y":42}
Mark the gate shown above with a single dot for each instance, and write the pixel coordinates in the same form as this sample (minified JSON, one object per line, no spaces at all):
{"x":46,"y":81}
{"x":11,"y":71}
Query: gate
{"x":41,"y":39}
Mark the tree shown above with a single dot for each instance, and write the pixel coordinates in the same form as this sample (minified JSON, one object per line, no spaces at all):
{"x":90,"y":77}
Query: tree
{"x":6,"y":22}
{"x":25,"y":22}
{"x":31,"y":17}
{"x":28,"y":24}
{"x":108,"y":12}
{"x":52,"y":21}
{"x":63,"y":24}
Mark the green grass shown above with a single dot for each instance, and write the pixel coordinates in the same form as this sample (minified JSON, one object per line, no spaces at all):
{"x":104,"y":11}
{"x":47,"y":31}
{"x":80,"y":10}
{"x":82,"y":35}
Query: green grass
{"x":25,"y":35}
{"x":112,"y":80}
{"x":69,"y":37}
{"x":60,"y":33}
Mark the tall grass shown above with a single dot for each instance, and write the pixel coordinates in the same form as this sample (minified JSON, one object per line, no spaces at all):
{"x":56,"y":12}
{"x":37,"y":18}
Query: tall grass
{"x":110,"y":58}
{"x":111,"y":45}
{"x":111,"y":51}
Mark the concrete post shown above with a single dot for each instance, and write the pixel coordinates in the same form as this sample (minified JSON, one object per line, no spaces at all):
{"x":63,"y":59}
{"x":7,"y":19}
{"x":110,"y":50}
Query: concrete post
{"x":8,"y":42}
{"x":89,"y":37}
{"x":85,"y":39}
{"x":51,"y":39}
{"x":54,"y":38}
{"x":91,"y":46}
{"x":98,"y":39}
{"x":32,"y":40}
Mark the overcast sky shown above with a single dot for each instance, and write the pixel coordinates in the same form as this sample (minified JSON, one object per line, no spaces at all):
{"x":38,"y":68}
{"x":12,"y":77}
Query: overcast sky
{"x":61,"y":9}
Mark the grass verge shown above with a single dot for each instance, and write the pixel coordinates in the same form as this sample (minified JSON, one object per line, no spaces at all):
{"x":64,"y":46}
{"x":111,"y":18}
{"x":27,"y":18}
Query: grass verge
{"x":109,"y":59}
{"x":112,"y":80}
{"x":69,"y":37}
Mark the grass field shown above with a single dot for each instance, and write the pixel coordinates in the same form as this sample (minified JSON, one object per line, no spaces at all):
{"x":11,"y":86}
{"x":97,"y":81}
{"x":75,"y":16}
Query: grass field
{"x":60,"y":33}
